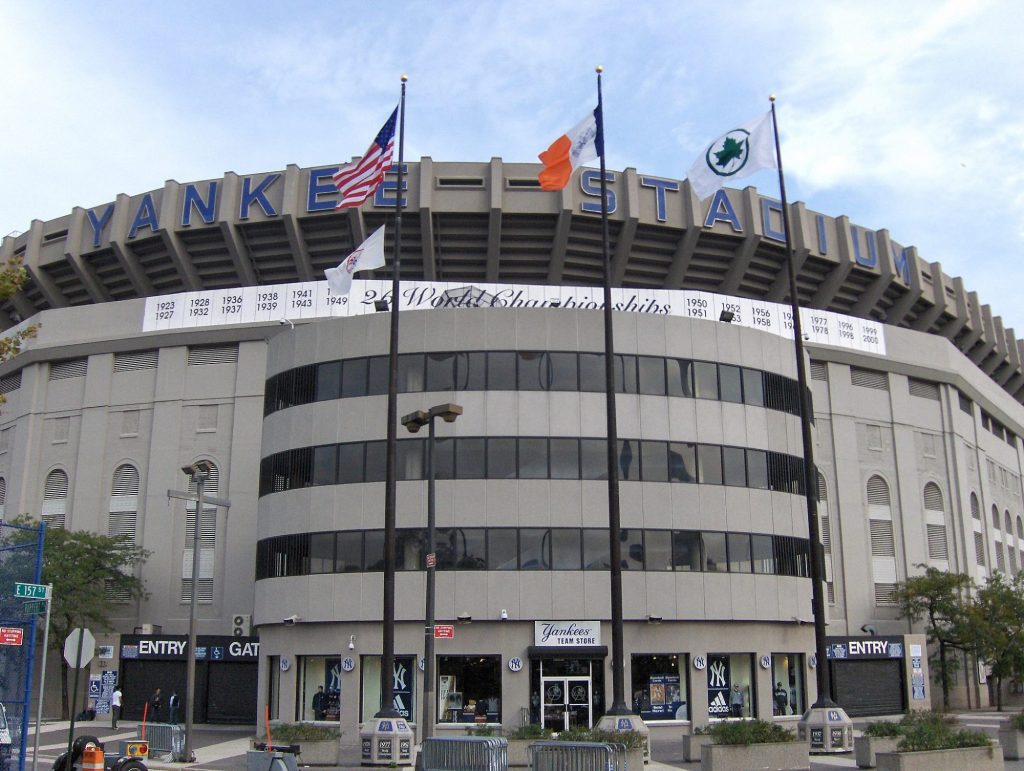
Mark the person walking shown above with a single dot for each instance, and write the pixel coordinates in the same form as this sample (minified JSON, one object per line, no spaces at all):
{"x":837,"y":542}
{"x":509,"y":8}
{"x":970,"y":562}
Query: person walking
{"x":115,"y":707}
{"x":173,"y":704}
{"x":155,"y":702}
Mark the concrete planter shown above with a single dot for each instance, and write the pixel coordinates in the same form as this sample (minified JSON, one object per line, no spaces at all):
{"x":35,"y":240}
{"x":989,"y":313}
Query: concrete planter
{"x":325,"y":753}
{"x":776,"y":756}
{"x":866,"y":747}
{"x":692,"y":745}
{"x":1012,"y":741}
{"x":974,"y":758}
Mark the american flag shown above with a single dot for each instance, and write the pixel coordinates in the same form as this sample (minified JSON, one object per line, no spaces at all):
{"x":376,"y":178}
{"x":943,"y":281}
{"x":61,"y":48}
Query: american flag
{"x":357,"y":181}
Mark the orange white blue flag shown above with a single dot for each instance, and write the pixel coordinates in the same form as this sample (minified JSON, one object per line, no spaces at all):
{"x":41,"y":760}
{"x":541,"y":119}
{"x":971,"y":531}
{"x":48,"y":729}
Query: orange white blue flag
{"x":583,"y":142}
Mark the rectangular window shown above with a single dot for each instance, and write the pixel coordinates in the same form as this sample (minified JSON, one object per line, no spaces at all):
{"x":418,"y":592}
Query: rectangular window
{"x":373,"y":551}
{"x":377,"y":376}
{"x":353,"y":378}
{"x":660,"y":686}
{"x":757,"y":469}
{"x":734,"y":466}
{"x":565,"y":549}
{"x":658,"y":549}
{"x":350,"y":463}
{"x":325,"y":464}
{"x":409,"y":459}
{"x":705,"y":375}
{"x":404,"y":689}
{"x":682,"y":462}
{"x":501,"y":371}
{"x":632,"y":548}
{"x":533,"y":458}
{"x":596,"y":549}
{"x":328,"y":380}
{"x":730,"y":383}
{"x":502,"y":548}
{"x":440,"y":372}
{"x":376,"y":461}
{"x":444,"y":458}
{"x":471,"y":371}
{"x":411,"y":373}
{"x":680,"y":377}
{"x":321,"y":553}
{"x":629,"y":460}
{"x":591,"y":372}
{"x":565,"y":459}
{"x":593,"y":459}
{"x":715,"y":556}
{"x":501,"y":458}
{"x":686,"y":551}
{"x":319,"y":688}
{"x":731,"y":685}
{"x":739,"y":553}
{"x":753,"y":387}
{"x":469,"y":689}
{"x":470,"y":458}
{"x":651,"y":375}
{"x":534,"y":548}
{"x":350,"y":552}
{"x":709,"y":464}
{"x":762,"y":554}
{"x":625,"y":374}
{"x":654,"y":461}
{"x":788,"y":691}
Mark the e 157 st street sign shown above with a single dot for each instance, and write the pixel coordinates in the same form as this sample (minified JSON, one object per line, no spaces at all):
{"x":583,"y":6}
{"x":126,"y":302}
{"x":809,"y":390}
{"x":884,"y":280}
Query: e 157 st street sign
{"x":32,"y":591}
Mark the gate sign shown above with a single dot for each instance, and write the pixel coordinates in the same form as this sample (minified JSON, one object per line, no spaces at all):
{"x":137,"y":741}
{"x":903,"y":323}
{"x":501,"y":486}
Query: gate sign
{"x":11,"y":635}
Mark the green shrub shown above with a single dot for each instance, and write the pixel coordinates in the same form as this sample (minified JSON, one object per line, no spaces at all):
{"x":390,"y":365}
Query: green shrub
{"x":293,"y":733}
{"x":484,"y":730}
{"x":935,"y":731}
{"x":1017,"y":722}
{"x":749,"y":732}
{"x":883,"y":729}
{"x":927,"y":717}
{"x":530,"y":731}
{"x":632,"y":740}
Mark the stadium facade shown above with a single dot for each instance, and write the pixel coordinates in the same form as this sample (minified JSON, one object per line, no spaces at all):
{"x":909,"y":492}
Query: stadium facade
{"x":190,"y":323}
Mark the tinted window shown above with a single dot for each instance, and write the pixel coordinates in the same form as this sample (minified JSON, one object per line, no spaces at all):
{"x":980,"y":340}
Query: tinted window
{"x":409,"y":545}
{"x":739,"y":553}
{"x":762,"y":553}
{"x":410,"y":373}
{"x":591,"y":371}
{"x":377,"y":375}
{"x":594,"y":459}
{"x":705,"y":376}
{"x":654,"y":457}
{"x":565,"y":459}
{"x":444,"y":458}
{"x":440,"y":371}
{"x":534,"y":373}
{"x":325,"y":464}
{"x":350,"y":463}
{"x":470,"y":458}
{"x":409,"y":455}
{"x":596,"y":549}
{"x":373,"y":550}
{"x":730,"y":384}
{"x":502,"y":549}
{"x":472,"y":549}
{"x":353,"y":378}
{"x":757,"y":469}
{"x":680,"y":377}
{"x":629,"y":460}
{"x":501,"y":371}
{"x":533,"y":458}
{"x":534,"y":548}
{"x":709,"y":464}
{"x":565,"y":549}
{"x":376,"y":459}
{"x":686,"y":554}
{"x":625,"y":374}
{"x":734,"y":470}
{"x":658,"y":549}
{"x":632,"y":548}
{"x":328,"y":380}
{"x":714,"y":553}
{"x":471,"y":371}
{"x":350,"y":552}
{"x":501,"y":458}
{"x":753,"y":387}
{"x":651,"y":375}
{"x":321,"y":553}
{"x":682,"y":462}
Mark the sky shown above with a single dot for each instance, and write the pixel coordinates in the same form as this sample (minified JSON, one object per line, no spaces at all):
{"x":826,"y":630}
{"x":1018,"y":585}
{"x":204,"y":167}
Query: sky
{"x":907,"y":116}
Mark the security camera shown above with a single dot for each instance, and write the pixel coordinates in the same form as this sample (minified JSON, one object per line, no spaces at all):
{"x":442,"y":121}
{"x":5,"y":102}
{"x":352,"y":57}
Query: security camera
{"x":352,"y":642}
{"x":292,"y":619}
{"x":504,"y":615}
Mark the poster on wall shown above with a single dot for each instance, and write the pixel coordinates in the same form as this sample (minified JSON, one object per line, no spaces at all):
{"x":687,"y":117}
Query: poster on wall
{"x":718,"y":686}
{"x":664,"y":699}
{"x":403,"y":684}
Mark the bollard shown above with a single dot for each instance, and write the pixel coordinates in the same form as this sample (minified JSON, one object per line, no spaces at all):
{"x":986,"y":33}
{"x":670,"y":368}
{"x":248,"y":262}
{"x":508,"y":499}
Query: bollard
{"x":92,"y":759}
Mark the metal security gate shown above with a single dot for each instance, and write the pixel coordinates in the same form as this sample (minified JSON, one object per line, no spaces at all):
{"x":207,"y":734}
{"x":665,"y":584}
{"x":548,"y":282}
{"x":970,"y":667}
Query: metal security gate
{"x":869,"y":687}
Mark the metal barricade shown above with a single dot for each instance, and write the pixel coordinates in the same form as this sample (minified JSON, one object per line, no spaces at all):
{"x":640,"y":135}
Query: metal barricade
{"x":577,"y":756}
{"x":465,"y":753}
{"x":165,"y":738}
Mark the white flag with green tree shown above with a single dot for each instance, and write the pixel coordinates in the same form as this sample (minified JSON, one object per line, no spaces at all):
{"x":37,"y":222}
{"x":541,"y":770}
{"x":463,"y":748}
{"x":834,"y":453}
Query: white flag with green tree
{"x":735,"y":154}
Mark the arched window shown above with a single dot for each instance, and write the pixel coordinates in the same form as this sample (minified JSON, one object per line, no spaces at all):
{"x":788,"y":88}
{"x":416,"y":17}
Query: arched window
{"x":995,"y":517}
{"x":3,"y":496}
{"x":826,"y":537}
{"x":935,"y":525}
{"x":55,"y":498}
{"x":979,"y":536}
{"x":883,"y":542}
{"x":123,"y":515}
{"x":997,"y":545}
{"x":207,"y":540}
{"x":1008,"y":540}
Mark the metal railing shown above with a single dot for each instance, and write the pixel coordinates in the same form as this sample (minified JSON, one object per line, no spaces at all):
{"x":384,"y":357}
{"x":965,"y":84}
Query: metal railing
{"x":577,"y":756}
{"x":165,"y":738}
{"x":465,"y":753}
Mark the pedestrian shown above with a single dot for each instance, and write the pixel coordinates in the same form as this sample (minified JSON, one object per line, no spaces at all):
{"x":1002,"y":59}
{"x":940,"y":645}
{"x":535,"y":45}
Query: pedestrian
{"x":155,"y":702}
{"x":736,"y":701}
{"x":173,"y":704}
{"x":115,"y":707}
{"x":319,"y":707}
{"x":781,"y":699}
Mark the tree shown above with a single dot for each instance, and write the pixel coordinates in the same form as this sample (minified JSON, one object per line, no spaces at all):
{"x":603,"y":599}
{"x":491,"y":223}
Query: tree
{"x":86,"y":570}
{"x":12,"y":277}
{"x":941,"y":599}
{"x":996,"y":628}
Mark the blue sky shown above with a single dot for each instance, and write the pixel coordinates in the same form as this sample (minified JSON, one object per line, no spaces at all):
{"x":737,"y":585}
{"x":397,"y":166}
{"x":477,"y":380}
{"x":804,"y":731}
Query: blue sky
{"x":907,"y":116}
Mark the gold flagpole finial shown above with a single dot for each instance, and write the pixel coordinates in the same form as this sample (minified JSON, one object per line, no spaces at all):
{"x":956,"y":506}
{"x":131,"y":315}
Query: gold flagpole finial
{"x":405,"y":78}
{"x":599,"y":69}
{"x":771,"y":97}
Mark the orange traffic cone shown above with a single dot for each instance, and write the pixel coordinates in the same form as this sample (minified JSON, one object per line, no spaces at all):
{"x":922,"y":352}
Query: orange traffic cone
{"x":92,"y":759}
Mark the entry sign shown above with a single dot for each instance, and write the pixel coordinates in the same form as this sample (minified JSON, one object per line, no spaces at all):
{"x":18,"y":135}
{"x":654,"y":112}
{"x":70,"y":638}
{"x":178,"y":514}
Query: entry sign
{"x":32,"y":591}
{"x":445,"y":631}
{"x":11,"y":635}
{"x":71,"y":648}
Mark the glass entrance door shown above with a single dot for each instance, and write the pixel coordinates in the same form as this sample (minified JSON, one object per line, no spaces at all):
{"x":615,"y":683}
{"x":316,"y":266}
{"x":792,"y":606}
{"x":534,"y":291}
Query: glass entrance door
{"x":566,"y":702}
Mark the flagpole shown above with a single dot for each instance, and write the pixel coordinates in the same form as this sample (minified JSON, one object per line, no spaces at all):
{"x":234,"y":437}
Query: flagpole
{"x":824,"y":701}
{"x":387,"y":660}
{"x":615,"y":546}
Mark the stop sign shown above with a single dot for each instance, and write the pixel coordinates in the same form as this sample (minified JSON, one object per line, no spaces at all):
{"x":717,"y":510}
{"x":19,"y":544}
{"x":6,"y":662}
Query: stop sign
{"x":75,"y":659}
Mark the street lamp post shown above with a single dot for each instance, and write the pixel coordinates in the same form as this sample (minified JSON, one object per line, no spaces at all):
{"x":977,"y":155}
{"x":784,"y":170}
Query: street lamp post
{"x":414,"y":421}
{"x":199,"y":472}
